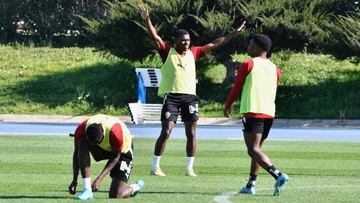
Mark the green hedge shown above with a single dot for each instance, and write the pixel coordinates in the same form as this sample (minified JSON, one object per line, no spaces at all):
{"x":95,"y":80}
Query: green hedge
{"x":312,"y":25}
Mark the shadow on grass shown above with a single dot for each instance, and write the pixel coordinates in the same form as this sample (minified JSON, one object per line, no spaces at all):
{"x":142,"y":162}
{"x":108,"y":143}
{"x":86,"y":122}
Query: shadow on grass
{"x":331,"y":99}
{"x":99,"y":85}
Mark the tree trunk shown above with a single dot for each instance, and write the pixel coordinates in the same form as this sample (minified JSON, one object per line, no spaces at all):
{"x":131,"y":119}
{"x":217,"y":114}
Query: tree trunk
{"x":231,"y":71}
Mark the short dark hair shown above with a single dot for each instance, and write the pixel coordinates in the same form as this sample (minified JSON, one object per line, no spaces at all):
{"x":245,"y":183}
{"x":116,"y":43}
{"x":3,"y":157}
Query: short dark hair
{"x":263,"y":41}
{"x":180,"y":32}
{"x":94,"y":132}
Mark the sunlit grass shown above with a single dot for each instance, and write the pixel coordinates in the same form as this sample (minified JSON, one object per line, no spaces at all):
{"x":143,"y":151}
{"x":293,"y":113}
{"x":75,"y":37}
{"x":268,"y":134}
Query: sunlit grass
{"x":77,"y":81}
{"x":38,"y":169}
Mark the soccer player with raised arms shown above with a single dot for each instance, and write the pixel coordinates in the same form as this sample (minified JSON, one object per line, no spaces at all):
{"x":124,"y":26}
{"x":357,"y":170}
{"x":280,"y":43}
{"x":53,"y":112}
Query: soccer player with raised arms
{"x":178,"y":87}
{"x":257,"y":81}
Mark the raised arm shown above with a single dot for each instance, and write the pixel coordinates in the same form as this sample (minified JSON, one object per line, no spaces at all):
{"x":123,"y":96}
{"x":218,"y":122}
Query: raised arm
{"x":224,"y":39}
{"x":144,"y":12}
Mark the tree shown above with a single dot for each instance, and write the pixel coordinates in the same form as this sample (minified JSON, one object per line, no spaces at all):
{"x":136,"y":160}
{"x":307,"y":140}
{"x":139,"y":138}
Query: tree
{"x":46,"y":21}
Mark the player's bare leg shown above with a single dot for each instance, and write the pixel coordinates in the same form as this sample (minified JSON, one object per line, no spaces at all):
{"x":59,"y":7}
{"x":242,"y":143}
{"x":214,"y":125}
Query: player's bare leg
{"x":166,"y":129}
{"x":255,"y":167}
{"x":190,"y":130}
{"x":84,"y":165}
{"x":120,"y":189}
{"x":249,"y":188}
{"x":84,"y":158}
{"x":255,"y":152}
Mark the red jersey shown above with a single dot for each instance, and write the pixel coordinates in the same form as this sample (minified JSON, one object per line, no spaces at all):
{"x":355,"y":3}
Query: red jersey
{"x":116,"y":135}
{"x":243,"y":71}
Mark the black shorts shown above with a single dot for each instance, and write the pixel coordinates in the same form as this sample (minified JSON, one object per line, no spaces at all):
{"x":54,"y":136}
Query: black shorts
{"x":175,"y":103}
{"x":257,"y":125}
{"x":122,"y":169}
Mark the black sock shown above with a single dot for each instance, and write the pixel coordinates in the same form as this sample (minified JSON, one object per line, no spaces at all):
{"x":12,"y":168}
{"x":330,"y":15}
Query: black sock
{"x":273,"y":171}
{"x":252,"y":180}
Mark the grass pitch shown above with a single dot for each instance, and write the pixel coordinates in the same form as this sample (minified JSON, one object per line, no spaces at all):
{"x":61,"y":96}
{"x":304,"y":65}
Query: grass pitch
{"x":38,"y":169}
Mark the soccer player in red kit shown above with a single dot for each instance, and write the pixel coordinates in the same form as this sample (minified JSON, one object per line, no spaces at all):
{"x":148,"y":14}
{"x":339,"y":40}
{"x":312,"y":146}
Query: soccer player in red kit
{"x":106,"y":138}
{"x":178,"y":87}
{"x":257,"y":81}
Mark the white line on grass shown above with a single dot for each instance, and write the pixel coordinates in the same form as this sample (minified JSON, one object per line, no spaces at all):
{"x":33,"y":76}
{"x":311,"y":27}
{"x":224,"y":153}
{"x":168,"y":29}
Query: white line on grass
{"x":231,"y":138}
{"x":224,"y":197}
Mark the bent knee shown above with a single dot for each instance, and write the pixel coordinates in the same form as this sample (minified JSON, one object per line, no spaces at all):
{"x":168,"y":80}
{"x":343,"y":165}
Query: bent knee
{"x":252,"y":151}
{"x":165,"y":133}
{"x":190,"y":133}
{"x":190,"y":136}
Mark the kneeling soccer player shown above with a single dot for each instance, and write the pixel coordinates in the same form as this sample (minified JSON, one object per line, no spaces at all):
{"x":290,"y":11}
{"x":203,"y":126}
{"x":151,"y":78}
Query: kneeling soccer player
{"x":257,"y":81}
{"x":106,"y":138}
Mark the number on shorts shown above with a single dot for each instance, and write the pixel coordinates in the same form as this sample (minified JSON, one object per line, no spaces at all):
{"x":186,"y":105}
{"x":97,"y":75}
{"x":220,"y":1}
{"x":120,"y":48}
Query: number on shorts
{"x":193,"y":109}
{"x":125,"y":167}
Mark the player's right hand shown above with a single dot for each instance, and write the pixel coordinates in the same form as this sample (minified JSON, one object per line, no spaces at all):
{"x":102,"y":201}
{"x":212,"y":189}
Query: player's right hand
{"x":72,"y":187}
{"x":95,"y":186}
{"x":144,"y":11}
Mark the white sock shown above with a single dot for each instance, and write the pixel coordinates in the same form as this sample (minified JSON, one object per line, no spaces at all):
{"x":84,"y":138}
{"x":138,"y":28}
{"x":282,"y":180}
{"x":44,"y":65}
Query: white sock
{"x":156,"y":162}
{"x":189,"y":163}
{"x":135,"y":187}
{"x":87,"y":183}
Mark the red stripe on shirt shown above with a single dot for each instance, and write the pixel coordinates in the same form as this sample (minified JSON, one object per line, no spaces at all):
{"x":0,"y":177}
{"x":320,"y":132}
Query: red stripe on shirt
{"x":243,"y":71}
{"x":116,"y":137}
{"x":80,"y":131}
{"x":197,"y":51}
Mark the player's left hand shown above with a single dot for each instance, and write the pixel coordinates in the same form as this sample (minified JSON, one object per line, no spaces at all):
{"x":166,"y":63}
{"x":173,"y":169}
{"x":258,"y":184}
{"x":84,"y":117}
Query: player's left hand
{"x":72,"y":187}
{"x":144,"y":11}
{"x":227,"y":112}
{"x":241,"y":27}
{"x":96,"y":184}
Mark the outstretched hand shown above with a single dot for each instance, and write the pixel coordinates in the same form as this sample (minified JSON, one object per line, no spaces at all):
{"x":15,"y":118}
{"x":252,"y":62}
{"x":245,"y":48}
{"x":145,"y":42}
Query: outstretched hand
{"x":144,"y":11}
{"x":241,"y":27}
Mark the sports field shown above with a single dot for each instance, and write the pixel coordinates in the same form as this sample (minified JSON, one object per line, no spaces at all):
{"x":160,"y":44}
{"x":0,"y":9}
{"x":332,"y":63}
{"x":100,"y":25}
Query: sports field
{"x":38,"y":169}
